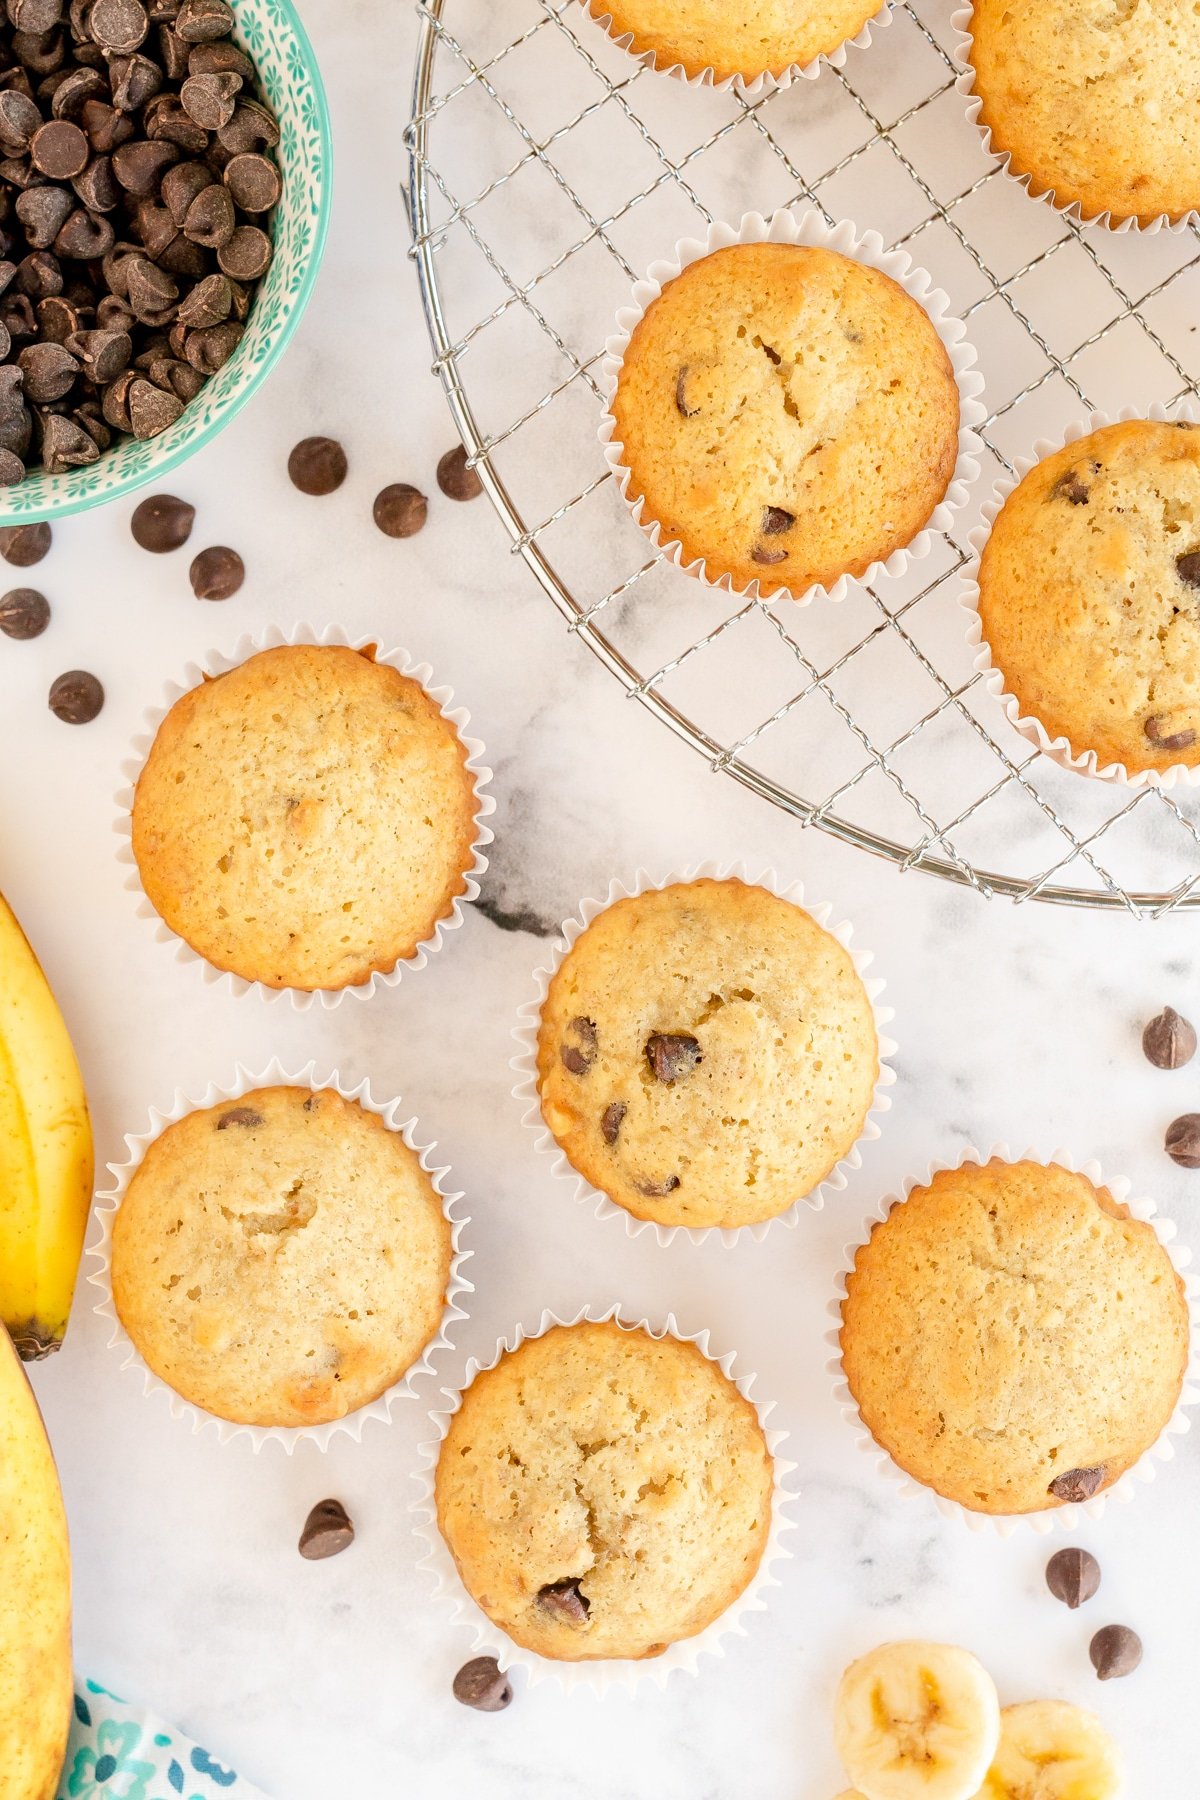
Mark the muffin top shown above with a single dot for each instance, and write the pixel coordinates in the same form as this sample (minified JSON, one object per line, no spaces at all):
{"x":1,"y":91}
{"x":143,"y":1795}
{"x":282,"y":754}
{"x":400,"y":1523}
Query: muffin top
{"x":736,"y":37}
{"x":604,"y":1493}
{"x":306,"y":819}
{"x":282,"y":1258}
{"x":1090,"y":594}
{"x":707,"y":1053}
{"x":1095,"y":99}
{"x":788,"y":414}
{"x":1013,"y":1338}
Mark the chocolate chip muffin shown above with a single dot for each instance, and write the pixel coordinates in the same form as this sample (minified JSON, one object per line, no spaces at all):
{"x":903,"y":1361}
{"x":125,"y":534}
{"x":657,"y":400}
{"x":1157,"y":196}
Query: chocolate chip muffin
{"x":707,"y":1054}
{"x":1089,"y":595}
{"x":787,"y":414}
{"x":281,"y":1259}
{"x":1095,"y":100}
{"x":604,"y":1493}
{"x":730,"y":38}
{"x":1014,"y":1338}
{"x":305,"y":819}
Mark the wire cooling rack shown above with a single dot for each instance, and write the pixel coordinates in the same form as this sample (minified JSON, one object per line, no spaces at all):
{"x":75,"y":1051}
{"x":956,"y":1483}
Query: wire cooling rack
{"x":547,"y":171}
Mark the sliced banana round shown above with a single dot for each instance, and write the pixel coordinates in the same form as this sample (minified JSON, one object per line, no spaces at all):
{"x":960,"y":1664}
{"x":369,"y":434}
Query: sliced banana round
{"x":916,"y":1721}
{"x":1052,"y":1751}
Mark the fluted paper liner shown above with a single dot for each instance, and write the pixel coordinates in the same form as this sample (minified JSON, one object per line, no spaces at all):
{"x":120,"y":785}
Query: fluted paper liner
{"x":529,"y":1018}
{"x":758,"y":87}
{"x":218,"y":662}
{"x":109,"y":1199}
{"x":1059,"y":749}
{"x":812,"y":230}
{"x":1071,"y":1515}
{"x":603,"y":1675}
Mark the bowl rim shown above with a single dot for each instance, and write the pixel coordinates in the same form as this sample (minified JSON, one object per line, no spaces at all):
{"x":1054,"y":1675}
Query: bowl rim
{"x":67,"y":505}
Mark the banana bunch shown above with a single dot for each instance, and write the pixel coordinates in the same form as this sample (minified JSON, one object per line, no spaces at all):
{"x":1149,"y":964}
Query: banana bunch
{"x":35,"y":1596}
{"x":45,"y":1152}
{"x":917,"y":1721}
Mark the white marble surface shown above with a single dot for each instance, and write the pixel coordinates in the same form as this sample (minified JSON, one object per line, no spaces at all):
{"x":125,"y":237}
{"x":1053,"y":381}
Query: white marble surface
{"x":332,"y":1680}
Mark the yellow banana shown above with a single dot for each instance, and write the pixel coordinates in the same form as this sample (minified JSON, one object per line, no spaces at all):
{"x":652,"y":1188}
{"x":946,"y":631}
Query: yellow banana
{"x":45,"y":1152}
{"x":35,"y":1596}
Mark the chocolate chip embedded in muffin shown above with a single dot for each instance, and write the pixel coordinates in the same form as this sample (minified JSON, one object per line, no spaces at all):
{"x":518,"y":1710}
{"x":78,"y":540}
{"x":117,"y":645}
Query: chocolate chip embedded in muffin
{"x":610,"y":1124}
{"x":579,"y":1056}
{"x":1189,"y":568}
{"x":776,"y":519}
{"x":239,"y":1115}
{"x":1072,"y":487}
{"x":688,"y":412}
{"x":761,"y":554}
{"x":1078,"y":1484}
{"x":1158,"y":728}
{"x":656,"y":1189}
{"x":567,"y":1599}
{"x":672,"y":1055}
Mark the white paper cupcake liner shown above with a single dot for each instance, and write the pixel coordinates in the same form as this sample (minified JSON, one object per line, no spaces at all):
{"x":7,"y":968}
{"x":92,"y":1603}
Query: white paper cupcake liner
{"x":809,"y":229}
{"x":1058,"y":749}
{"x":759,"y":86}
{"x":1060,"y":1518}
{"x":960,"y":22}
{"x":218,"y":662}
{"x":109,"y":1199}
{"x":604,"y":1675}
{"x":525,"y":1064}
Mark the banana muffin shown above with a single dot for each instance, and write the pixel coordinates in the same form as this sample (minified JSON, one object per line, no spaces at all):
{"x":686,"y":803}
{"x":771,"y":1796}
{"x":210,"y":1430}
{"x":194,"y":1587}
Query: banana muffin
{"x":1014,"y":1338}
{"x":1089,"y":595}
{"x":707,"y":1054}
{"x":731,"y":37}
{"x":604,"y":1493}
{"x":282,"y":1258}
{"x":305,"y":819}
{"x":1095,"y":100}
{"x":787,"y":414}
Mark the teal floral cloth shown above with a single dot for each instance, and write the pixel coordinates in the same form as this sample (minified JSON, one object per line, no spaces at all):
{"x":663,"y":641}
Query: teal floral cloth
{"x":122,"y":1752}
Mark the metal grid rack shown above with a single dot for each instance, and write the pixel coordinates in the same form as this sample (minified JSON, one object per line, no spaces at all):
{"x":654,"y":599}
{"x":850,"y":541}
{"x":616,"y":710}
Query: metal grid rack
{"x":547,"y":170}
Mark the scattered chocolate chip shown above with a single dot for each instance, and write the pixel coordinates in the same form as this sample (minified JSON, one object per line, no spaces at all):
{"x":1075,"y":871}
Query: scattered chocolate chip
{"x":162,"y":523}
{"x":776,"y":519}
{"x":24,"y":613}
{"x":1183,"y":1141}
{"x":254,"y":182}
{"x":327,"y":1531}
{"x":400,"y":510}
{"x":612,"y":1120}
{"x":1071,"y":487}
{"x":1078,"y":1484}
{"x":456,"y":480}
{"x":761,"y":554}
{"x":239,"y":1115}
{"x":578,"y":1058}
{"x":1073,"y":1576}
{"x":1115,"y":1651}
{"x":1177,"y":740}
{"x":655,"y":1190}
{"x":480,"y":1683}
{"x":59,"y":149}
{"x":24,"y":545}
{"x":1169,"y":1040}
{"x":217,"y":573}
{"x":672,"y":1056}
{"x":681,"y":405}
{"x":565,"y":1599}
{"x":76,"y":697}
{"x":317,"y":465}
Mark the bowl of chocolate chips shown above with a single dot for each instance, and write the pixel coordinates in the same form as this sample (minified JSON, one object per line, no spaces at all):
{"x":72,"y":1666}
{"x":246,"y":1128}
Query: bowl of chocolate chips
{"x":164,"y":196}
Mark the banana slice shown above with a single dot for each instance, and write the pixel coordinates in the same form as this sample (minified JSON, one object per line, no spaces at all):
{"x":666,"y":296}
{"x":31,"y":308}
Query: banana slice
{"x":917,"y":1721}
{"x":1052,"y":1751}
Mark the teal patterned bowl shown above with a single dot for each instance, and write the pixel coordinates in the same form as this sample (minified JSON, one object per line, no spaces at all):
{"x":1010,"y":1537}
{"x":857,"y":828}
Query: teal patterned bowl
{"x":271,"y":32}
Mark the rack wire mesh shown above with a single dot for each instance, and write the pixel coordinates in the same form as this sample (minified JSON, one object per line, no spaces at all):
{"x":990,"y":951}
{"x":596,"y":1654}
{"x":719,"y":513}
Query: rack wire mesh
{"x":547,"y":169}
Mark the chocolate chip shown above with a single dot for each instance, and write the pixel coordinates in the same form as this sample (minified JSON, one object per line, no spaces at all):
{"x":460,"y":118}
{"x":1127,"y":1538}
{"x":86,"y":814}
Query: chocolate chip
{"x":199,"y":21}
{"x":578,"y":1057}
{"x":162,"y":523}
{"x":1183,"y":1141}
{"x":1189,"y":568}
{"x":566,"y":1599}
{"x":73,"y":90}
{"x":140,"y":165}
{"x":1169,"y":1040}
{"x":66,"y":445}
{"x":611,"y":1122}
{"x":134,"y":79}
{"x":688,"y":412}
{"x":103,"y":353}
{"x":400,"y":510}
{"x":106,"y":127}
{"x":252,"y":127}
{"x":11,"y":467}
{"x":1078,"y":1484}
{"x":119,"y":25}
{"x":209,"y":303}
{"x":76,"y":697}
{"x":176,"y":377}
{"x":327,"y":1531}
{"x":1073,"y":1576}
{"x":19,"y":119}
{"x":59,"y":149}
{"x":456,"y":480}
{"x":166,"y":122}
{"x":42,"y":52}
{"x":39,"y":275}
{"x":480,"y":1683}
{"x":1115,"y":1651}
{"x":180,"y":186}
{"x":672,"y":1056}
{"x":253,"y":181}
{"x":239,"y":1115}
{"x":24,"y":545}
{"x":655,"y":1190}
{"x":209,"y":99}
{"x":98,"y":187}
{"x":85,"y":237}
{"x":114,"y":401}
{"x":1168,"y":740}
{"x":49,"y":371}
{"x":151,"y":411}
{"x":35,"y":15}
{"x":215,"y":58}
{"x":43,"y":211}
{"x":217,"y":573}
{"x":776,"y":519}
{"x":210,"y":349}
{"x":247,"y":253}
{"x":151,"y":292}
{"x":1071,"y":487}
{"x":24,"y":613}
{"x":317,"y":465}
{"x":761,"y":554}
